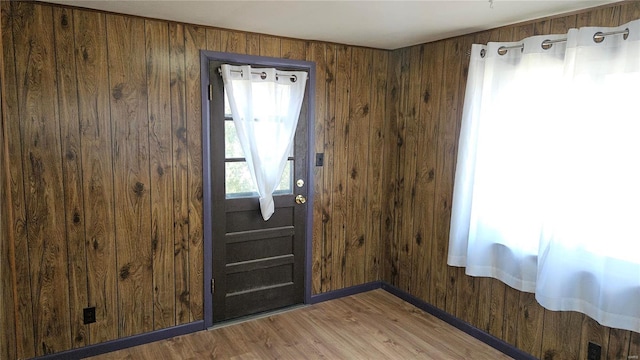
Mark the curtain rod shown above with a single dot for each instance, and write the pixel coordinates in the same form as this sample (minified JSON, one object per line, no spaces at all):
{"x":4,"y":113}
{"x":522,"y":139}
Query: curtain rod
{"x":597,"y":37}
{"x":263,"y":75}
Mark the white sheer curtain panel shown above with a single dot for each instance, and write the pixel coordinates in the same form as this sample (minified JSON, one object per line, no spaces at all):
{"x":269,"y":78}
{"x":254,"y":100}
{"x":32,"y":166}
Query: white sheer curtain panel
{"x":547,"y":185}
{"x":265,"y":105}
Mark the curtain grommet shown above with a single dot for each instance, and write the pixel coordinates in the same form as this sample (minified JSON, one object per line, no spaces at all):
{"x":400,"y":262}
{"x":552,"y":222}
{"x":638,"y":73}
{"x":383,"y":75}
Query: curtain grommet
{"x":598,"y":37}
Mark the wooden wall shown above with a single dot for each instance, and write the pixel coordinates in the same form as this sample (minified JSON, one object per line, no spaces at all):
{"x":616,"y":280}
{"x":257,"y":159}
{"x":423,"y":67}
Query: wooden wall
{"x":102,"y":175}
{"x":427,"y":85}
{"x":103,"y":122}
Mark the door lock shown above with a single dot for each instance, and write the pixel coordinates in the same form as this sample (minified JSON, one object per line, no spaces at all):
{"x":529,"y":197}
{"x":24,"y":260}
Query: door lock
{"x":301,"y":199}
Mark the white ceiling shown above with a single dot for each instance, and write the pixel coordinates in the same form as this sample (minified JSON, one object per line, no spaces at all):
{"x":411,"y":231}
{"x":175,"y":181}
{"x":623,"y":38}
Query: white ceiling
{"x":389,"y":24}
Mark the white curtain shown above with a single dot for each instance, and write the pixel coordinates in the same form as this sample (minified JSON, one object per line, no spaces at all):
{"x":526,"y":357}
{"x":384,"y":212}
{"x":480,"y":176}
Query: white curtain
{"x":547,"y":185}
{"x":265,"y":104}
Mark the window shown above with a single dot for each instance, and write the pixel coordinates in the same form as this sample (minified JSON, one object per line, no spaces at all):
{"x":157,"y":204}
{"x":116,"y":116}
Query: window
{"x":238,"y":182}
{"x":547,"y":187}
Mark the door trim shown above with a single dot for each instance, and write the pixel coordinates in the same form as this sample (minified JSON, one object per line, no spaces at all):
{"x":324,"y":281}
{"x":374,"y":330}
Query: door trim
{"x":298,"y":65}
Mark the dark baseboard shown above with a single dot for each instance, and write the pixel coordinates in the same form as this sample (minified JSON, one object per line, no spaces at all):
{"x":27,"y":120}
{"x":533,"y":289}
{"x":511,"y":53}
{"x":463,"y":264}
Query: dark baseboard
{"x":109,"y":346}
{"x":481,"y":335}
{"x":141,"y":339}
{"x":352,"y":290}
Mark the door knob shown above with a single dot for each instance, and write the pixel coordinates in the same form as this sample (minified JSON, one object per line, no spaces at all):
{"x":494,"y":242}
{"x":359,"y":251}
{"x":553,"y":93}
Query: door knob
{"x":301,"y":199}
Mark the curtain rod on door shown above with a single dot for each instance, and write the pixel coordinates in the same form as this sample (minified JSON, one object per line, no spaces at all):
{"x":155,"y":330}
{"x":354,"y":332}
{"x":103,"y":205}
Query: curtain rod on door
{"x":597,"y":37}
{"x":263,"y":75}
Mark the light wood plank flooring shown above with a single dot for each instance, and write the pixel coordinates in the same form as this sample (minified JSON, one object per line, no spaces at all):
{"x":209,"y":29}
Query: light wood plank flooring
{"x":371,"y":325}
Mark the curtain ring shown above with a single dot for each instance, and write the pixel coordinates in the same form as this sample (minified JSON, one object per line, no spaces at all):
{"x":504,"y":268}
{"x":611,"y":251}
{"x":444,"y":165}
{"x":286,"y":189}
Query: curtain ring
{"x":502,"y":50}
{"x":293,"y":78}
{"x":546,"y":45}
{"x":625,"y":36}
{"x":483,"y":53}
{"x":263,"y":75}
{"x":598,"y":37}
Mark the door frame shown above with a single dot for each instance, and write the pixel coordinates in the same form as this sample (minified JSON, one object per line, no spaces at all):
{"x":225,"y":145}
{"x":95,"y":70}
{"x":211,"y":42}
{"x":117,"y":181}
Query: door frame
{"x":297,"y":65}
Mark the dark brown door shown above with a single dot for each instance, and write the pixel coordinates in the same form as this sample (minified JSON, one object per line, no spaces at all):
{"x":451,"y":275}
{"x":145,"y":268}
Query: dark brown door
{"x":257,"y":265}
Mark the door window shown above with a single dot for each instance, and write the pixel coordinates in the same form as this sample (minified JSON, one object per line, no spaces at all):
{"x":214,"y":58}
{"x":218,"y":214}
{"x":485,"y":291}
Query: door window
{"x":238,"y":182}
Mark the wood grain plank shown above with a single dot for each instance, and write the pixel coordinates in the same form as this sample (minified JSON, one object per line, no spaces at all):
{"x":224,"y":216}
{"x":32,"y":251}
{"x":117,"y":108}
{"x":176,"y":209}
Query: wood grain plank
{"x":293,"y":49}
{"x":560,"y":340}
{"x":444,"y":285}
{"x":530,"y":325}
{"x":214,"y":39}
{"x":39,"y":120}
{"x":161,"y":167}
{"x":608,"y":16}
{"x":269,"y":46}
{"x":595,"y":333}
{"x":97,"y":172}
{"x":71,"y":172}
{"x":232,"y":41}
{"x":426,"y":167}
{"x":253,"y":44}
{"x":357,"y":134}
{"x":180,"y":173}
{"x":634,"y":346}
{"x":618,"y":346}
{"x":327,"y":187}
{"x":194,"y":41}
{"x":8,"y":286}
{"x":130,"y":133}
{"x":400,"y":252}
{"x":375,"y":168}
{"x":389,"y":180}
{"x":467,"y":286}
{"x":20,"y":278}
{"x":340,"y":169}
{"x":629,"y":11}
{"x":317,"y":53}
{"x":411,"y":114}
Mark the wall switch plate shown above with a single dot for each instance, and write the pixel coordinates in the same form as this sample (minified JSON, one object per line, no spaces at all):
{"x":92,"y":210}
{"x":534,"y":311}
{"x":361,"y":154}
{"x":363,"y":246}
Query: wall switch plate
{"x":89,"y":315}
{"x":593,"y":351}
{"x":319,"y":159}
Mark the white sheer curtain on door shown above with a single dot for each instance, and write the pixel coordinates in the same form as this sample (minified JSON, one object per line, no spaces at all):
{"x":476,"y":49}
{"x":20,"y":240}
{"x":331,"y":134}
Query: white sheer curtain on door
{"x":265,"y":105}
{"x":547,"y":186}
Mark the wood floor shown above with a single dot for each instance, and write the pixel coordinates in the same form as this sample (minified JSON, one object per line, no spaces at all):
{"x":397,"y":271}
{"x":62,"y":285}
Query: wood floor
{"x":372,"y":325}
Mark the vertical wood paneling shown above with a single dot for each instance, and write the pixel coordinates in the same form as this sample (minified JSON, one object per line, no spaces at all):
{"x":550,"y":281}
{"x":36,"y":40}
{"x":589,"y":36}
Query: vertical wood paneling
{"x":400,"y":251}
{"x":511,"y":315}
{"x":214,"y":40}
{"x":410,"y":114}
{"x":316,"y":53}
{"x":195,"y":39}
{"x":41,"y":157}
{"x":253,"y":44}
{"x":467,"y":286}
{"x":8,"y":303}
{"x":20,"y":279}
{"x":340,"y":169}
{"x":327,"y":188}
{"x":269,"y":46}
{"x":130,"y":146}
{"x":389,"y":118}
{"x":180,"y":174}
{"x":97,"y":172}
{"x":161,"y":167}
{"x":425,"y":181}
{"x":375,"y":166}
{"x":357,"y":159}
{"x":293,"y":49}
{"x":72,"y":171}
{"x":392,"y":145}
